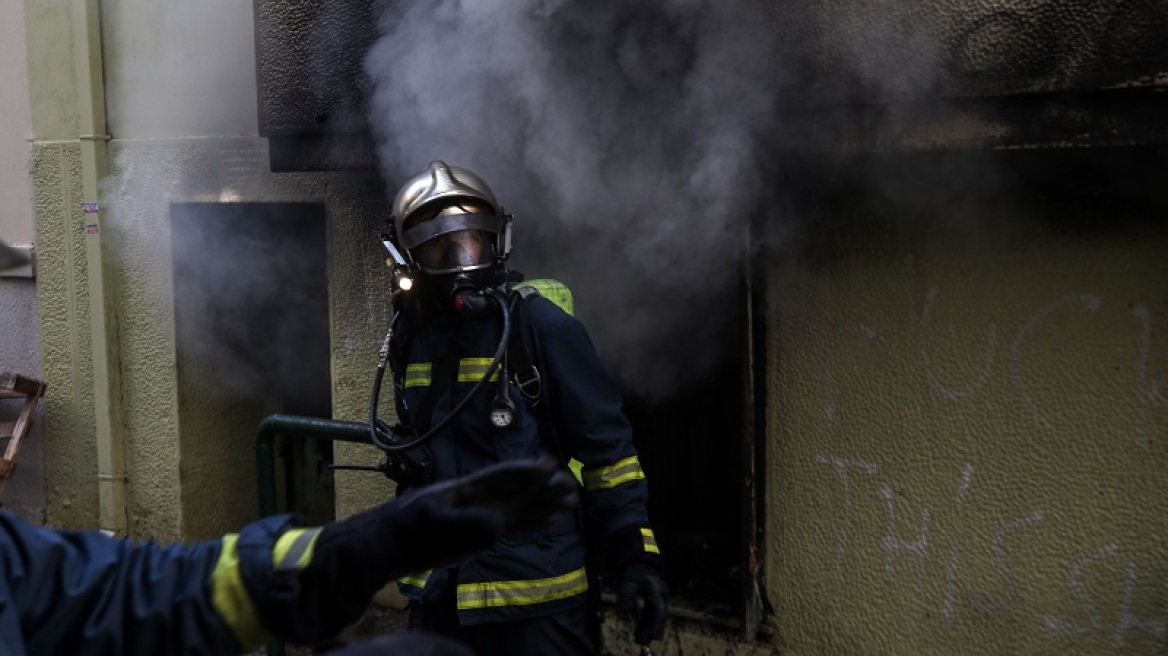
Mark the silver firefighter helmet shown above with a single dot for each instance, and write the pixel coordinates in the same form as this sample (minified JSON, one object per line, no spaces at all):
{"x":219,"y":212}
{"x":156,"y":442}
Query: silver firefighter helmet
{"x":448,"y":221}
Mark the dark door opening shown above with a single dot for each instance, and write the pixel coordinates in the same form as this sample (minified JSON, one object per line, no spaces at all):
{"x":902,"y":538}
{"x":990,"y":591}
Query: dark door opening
{"x":698,"y":452}
{"x":252,"y":339}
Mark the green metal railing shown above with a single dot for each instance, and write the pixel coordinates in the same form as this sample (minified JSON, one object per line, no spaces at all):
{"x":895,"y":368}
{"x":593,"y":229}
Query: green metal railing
{"x":294,"y":426}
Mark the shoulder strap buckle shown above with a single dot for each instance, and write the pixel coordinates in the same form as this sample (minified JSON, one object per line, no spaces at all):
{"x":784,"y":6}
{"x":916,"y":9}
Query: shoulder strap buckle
{"x":529,"y":384}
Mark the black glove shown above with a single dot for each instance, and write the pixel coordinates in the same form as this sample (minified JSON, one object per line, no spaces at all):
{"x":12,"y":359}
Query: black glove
{"x":641,"y":580}
{"x":635,"y":574}
{"x":434,"y":526}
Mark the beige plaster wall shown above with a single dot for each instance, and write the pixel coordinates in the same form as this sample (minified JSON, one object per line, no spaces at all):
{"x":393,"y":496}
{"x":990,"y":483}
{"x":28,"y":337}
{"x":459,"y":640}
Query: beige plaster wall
{"x":210,"y":455}
{"x":70,"y":472}
{"x":66,"y":354}
{"x":181,"y":99}
{"x":968,"y":439}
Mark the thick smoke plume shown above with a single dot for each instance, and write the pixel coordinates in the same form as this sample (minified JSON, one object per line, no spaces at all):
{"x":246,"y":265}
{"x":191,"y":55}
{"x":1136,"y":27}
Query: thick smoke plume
{"x":623,"y":136}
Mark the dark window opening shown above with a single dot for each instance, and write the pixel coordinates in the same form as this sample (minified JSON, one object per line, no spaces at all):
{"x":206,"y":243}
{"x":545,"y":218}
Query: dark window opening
{"x":252,"y":339}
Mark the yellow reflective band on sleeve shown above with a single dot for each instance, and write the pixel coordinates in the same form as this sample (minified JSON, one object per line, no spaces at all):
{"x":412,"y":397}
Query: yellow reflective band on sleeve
{"x":471,"y":370}
{"x":650,"y":540}
{"x":294,"y":548}
{"x":418,"y":375}
{"x":416,"y":580}
{"x":230,"y":599}
{"x":603,"y":478}
{"x":493,"y":594}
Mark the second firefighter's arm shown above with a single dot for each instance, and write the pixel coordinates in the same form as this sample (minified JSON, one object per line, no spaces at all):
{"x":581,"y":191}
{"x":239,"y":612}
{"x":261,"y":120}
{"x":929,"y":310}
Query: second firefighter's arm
{"x":592,"y":428}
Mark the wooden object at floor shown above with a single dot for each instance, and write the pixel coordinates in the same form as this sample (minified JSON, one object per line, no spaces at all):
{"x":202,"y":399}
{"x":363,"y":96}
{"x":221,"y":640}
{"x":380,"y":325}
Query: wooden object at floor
{"x":29,"y":391}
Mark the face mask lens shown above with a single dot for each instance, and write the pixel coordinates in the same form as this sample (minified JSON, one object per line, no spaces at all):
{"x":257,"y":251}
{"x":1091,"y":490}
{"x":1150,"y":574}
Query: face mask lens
{"x":455,"y":251}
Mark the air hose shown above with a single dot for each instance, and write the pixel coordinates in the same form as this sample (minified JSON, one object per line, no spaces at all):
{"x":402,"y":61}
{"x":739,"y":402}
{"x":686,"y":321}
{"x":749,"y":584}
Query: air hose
{"x":381,"y":434}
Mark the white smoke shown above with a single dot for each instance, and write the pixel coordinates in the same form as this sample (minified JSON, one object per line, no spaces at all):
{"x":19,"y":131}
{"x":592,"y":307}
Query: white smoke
{"x":625,"y":137}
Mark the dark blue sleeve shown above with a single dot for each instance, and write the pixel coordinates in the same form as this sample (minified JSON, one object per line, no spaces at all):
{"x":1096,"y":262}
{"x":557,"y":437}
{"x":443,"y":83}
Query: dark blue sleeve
{"x":85,"y":593}
{"x":589,"y":420}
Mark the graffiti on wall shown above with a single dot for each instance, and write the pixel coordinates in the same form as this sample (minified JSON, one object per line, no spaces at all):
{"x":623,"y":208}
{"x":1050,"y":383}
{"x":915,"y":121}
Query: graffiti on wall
{"x":964,"y":557}
{"x":861,"y":489}
{"x":1149,"y":388}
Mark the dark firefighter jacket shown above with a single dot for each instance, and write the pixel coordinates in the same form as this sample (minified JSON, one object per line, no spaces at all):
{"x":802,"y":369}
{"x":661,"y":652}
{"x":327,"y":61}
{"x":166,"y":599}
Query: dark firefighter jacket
{"x":81,"y":593}
{"x":540,"y":573}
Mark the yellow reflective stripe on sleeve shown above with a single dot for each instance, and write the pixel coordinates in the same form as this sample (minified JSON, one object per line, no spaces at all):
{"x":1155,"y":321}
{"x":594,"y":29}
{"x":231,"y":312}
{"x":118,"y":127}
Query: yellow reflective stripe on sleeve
{"x":493,"y":594}
{"x":576,"y":466}
{"x":294,"y":548}
{"x":471,"y":370}
{"x":418,"y":375}
{"x":230,"y":599}
{"x":603,"y":478}
{"x":416,"y":580}
{"x":650,"y":540}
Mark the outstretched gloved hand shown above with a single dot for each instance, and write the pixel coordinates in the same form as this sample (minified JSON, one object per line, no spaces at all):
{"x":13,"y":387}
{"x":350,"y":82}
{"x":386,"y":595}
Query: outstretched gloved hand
{"x":437,"y":525}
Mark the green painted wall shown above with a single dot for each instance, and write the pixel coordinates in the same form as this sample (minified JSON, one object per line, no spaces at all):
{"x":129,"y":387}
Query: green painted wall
{"x":967,"y":434}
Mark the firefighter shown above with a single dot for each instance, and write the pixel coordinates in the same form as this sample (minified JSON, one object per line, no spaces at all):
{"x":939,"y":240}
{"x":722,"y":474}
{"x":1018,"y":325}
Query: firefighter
{"x":529,"y":594}
{"x":74,"y":592}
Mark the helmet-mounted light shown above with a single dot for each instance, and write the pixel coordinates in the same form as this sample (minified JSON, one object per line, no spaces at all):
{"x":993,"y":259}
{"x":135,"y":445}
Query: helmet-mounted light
{"x":402,"y":269}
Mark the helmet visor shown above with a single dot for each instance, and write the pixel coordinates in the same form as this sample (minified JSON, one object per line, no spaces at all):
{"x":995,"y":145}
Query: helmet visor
{"x":464,"y":250}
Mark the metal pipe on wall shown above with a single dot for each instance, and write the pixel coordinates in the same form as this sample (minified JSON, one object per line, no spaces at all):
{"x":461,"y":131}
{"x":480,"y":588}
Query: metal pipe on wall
{"x":91,"y":124}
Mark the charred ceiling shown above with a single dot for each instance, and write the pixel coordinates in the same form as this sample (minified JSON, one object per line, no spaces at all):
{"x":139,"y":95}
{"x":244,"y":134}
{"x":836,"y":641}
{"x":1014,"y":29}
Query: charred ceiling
{"x":855,"y":76}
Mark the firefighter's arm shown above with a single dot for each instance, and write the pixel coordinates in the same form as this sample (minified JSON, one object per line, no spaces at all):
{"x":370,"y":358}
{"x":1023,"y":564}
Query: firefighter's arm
{"x":84,"y":593}
{"x":589,"y":420}
{"x":592,"y":428}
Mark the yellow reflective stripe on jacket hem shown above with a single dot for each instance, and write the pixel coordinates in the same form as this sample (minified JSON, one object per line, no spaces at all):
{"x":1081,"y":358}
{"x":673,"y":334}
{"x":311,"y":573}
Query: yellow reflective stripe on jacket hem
{"x":417,"y":374}
{"x":230,"y":599}
{"x":603,"y":478}
{"x":416,"y":580}
{"x":494,"y":594}
{"x":294,"y":548}
{"x":650,"y":540}
{"x":471,"y":370}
